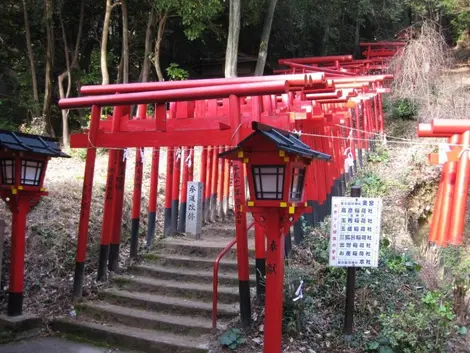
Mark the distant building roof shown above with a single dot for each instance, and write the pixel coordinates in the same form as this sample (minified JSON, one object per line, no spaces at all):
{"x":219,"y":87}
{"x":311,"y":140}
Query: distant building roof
{"x":284,"y":140}
{"x":18,"y":141}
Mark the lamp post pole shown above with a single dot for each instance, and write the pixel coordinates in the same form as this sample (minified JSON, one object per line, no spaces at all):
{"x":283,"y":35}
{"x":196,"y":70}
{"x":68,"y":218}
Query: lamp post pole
{"x":240,"y":219}
{"x":274,"y":281}
{"x":19,"y":206}
{"x":18,"y":242}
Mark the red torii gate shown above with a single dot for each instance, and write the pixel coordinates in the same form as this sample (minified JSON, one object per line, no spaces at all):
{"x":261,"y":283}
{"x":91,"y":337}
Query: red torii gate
{"x":323,"y":106}
{"x":448,"y":219}
{"x":159,"y":132}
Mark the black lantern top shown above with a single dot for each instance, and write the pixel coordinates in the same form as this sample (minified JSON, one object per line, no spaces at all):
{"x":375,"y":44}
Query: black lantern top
{"x":284,"y":141}
{"x":20,"y":142}
{"x":23,"y":160}
{"x":276,"y":164}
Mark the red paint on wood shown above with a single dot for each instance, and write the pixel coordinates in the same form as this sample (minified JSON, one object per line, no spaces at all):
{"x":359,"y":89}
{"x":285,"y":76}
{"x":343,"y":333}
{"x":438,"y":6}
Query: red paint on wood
{"x":88,"y":185}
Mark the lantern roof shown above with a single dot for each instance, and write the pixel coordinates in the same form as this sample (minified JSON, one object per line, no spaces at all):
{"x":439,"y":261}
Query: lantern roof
{"x":20,"y":142}
{"x":284,"y":141}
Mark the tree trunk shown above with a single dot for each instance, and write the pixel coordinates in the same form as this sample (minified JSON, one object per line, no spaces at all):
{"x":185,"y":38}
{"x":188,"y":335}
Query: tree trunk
{"x":324,"y":42}
{"x":79,"y":37}
{"x":357,"y":36}
{"x":68,"y":72}
{"x":231,"y":54}
{"x":263,"y":47}
{"x":158,"y":44}
{"x":148,"y":45}
{"x":31,"y":61}
{"x":46,"y":110}
{"x":125,"y":42}
{"x":104,"y":43}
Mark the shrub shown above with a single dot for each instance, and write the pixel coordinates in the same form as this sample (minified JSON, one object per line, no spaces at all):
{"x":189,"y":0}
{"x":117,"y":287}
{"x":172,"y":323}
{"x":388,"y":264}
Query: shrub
{"x":420,"y":327}
{"x":403,"y":109}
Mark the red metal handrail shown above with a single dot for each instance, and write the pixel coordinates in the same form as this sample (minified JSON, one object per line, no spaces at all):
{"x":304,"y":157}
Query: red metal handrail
{"x":216,"y":277}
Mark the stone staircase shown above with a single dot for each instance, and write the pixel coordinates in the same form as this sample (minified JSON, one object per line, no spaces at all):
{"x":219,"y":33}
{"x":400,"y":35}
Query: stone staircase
{"x":165,"y":303}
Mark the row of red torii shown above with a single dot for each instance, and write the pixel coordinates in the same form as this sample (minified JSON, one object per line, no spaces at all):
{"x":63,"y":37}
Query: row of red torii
{"x":333,"y":102}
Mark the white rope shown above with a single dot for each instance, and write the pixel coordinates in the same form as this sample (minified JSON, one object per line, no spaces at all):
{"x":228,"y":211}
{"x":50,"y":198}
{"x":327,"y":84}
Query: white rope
{"x":142,"y":156}
{"x":188,"y":159}
{"x":124,"y":155}
{"x":298,"y":292}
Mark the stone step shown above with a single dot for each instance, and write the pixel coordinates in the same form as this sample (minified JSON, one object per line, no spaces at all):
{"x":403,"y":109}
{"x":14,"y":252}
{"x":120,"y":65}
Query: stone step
{"x":183,"y":274}
{"x":202,"y":292}
{"x":198,"y":249}
{"x":164,"y":304}
{"x":151,"y":320}
{"x":178,"y":261}
{"x":149,"y":341}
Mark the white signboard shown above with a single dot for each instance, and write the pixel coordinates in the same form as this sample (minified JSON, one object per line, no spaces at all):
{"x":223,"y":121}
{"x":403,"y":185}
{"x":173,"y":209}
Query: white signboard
{"x":355,"y":231}
{"x":194,"y":208}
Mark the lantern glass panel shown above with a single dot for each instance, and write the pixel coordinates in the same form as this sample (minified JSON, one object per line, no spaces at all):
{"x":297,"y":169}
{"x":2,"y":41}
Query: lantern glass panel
{"x":31,"y":172}
{"x":297,"y":185}
{"x":269,"y":182}
{"x":8,"y":171}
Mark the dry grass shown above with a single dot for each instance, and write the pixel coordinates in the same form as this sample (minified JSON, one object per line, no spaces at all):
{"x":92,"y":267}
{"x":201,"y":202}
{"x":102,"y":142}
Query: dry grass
{"x":53,"y":227}
{"x":424,"y":74}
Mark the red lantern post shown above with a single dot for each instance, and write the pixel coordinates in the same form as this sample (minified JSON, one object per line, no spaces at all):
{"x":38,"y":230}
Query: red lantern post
{"x":276,"y":163}
{"x":23,"y":164}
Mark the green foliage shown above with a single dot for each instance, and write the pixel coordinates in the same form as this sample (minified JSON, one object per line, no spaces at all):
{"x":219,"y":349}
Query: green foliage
{"x":401,"y":264}
{"x":195,"y":15}
{"x":92,"y":76}
{"x":372,"y":185}
{"x":403,"y":109}
{"x":79,"y":153}
{"x":7,"y":123}
{"x":462,"y":330}
{"x":420,"y":327}
{"x":296,"y":313}
{"x":176,"y":73}
{"x":232,"y":338}
{"x":390,"y":298}
{"x":457,"y":264}
{"x":379,"y":155}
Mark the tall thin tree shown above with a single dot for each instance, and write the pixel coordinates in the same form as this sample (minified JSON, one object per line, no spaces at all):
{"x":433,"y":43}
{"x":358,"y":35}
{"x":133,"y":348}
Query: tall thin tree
{"x":46,"y":110}
{"x":149,"y":32}
{"x":125,"y":42}
{"x":158,"y":43}
{"x":231,"y":54}
{"x":104,"y":41}
{"x":263,"y":47}
{"x":32,"y":62}
{"x":70,"y":64}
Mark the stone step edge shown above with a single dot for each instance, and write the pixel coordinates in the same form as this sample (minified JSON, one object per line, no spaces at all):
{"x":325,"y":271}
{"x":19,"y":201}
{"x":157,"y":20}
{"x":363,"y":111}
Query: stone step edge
{"x":126,"y":338}
{"x":154,"y":256}
{"x":175,"y":284}
{"x":173,"y":269}
{"x":188,"y":304}
{"x":196,"y":322}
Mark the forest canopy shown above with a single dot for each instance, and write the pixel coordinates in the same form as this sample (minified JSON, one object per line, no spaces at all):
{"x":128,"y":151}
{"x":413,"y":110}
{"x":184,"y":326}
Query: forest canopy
{"x":49,"y":48}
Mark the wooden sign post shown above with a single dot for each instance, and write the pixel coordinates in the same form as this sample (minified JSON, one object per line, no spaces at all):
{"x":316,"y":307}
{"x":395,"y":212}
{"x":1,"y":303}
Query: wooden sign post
{"x":354,"y":241}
